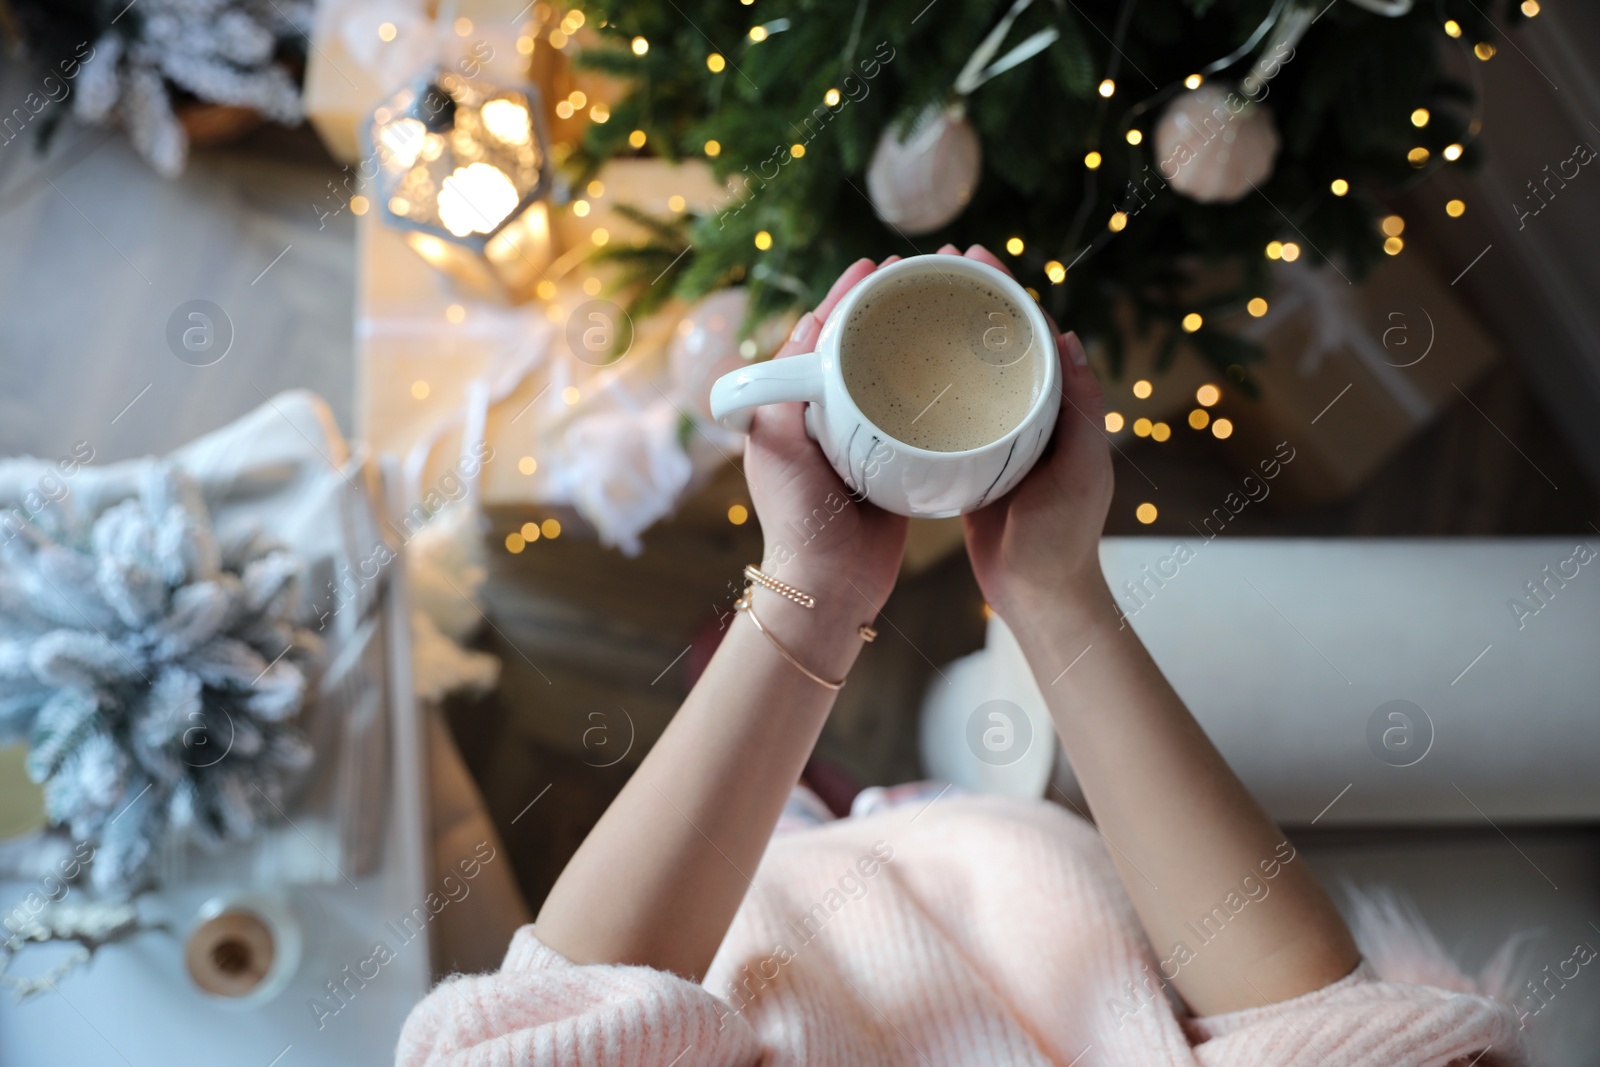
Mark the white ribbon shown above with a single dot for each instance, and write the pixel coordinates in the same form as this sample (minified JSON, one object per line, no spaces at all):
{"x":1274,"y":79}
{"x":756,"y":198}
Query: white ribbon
{"x":979,"y":70}
{"x":416,"y":43}
{"x":1389,"y":8}
{"x":1335,"y":325}
{"x":1291,"y":25}
{"x":1286,"y":33}
{"x":528,"y":342}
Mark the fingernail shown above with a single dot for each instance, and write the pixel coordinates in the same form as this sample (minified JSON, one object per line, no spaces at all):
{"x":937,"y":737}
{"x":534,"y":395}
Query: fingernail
{"x":805,"y":331}
{"x":1075,"y":350}
{"x":949,"y":250}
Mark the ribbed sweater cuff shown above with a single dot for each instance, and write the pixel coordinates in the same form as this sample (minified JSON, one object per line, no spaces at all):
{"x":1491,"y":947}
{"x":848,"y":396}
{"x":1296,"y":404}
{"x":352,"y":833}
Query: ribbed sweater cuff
{"x":528,"y":953}
{"x":1204,"y":1028}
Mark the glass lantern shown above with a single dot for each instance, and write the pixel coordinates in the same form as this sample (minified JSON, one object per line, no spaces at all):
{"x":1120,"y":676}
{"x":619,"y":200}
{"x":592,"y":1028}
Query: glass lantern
{"x":463,"y":170}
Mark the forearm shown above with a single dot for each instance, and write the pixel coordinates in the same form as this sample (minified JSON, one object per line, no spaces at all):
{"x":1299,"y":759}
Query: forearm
{"x":1186,"y":836}
{"x":658,"y":880}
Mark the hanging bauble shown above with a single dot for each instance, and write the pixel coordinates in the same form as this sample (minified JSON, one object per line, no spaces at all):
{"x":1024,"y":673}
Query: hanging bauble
{"x":923,"y":180}
{"x":1213,"y":145}
{"x":706,"y":345}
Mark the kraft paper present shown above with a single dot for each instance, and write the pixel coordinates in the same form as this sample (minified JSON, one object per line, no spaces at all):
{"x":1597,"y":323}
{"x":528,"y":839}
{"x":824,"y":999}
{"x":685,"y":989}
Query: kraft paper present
{"x":1353,"y":372}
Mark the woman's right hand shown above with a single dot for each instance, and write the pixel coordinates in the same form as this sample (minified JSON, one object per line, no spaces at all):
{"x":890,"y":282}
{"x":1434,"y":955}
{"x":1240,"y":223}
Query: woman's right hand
{"x":1037,"y":547}
{"x":1184,"y":826}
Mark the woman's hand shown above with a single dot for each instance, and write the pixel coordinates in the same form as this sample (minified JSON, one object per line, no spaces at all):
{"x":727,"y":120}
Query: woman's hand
{"x":659,"y":879}
{"x":1037,"y":547}
{"x":1155,"y":784}
{"x":817,"y":536}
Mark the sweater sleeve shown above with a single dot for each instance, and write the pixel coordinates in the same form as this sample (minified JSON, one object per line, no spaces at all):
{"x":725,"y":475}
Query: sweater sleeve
{"x":1362,"y":1021}
{"x":542,"y":1010}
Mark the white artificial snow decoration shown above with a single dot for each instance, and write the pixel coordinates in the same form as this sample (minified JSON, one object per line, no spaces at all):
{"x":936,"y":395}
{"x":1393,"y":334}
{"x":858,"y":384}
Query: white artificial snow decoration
{"x":222,"y":51}
{"x":626,"y":469}
{"x":90,"y":926}
{"x":153,"y":672}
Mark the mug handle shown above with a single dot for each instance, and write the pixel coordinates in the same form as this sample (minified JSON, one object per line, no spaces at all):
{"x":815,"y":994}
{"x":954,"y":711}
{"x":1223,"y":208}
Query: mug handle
{"x":776,"y":381}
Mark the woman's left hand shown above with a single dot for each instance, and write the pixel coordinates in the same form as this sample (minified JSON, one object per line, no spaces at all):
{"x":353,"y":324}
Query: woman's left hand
{"x":700,"y":810}
{"x":818,"y":537}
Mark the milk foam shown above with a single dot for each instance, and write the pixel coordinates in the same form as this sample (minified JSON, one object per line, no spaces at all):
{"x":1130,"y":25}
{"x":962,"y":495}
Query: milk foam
{"x":942,"y":361}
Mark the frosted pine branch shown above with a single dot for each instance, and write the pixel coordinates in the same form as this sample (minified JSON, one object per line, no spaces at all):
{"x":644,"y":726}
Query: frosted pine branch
{"x":221,"y":51}
{"x":155,"y":675}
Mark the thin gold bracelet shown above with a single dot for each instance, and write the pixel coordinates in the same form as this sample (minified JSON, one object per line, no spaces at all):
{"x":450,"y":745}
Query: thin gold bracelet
{"x":799,"y":596}
{"x":783,"y":589}
{"x":743,"y":604}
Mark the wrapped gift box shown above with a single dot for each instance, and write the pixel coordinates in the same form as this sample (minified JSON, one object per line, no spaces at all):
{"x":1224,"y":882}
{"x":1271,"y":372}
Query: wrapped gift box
{"x":422,"y":346}
{"x":350,"y":68}
{"x":1352,"y":372}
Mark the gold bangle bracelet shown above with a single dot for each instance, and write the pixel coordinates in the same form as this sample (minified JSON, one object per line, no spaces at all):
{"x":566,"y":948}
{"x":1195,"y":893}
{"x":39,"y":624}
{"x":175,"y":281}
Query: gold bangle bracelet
{"x":744,"y":605}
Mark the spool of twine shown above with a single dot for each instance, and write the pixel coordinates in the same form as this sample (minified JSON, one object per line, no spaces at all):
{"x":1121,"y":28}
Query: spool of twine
{"x":231,"y":953}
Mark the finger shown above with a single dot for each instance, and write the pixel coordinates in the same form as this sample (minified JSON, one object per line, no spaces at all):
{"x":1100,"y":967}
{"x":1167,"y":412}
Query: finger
{"x":1070,"y":345}
{"x":983,"y":255}
{"x":847,"y":281}
{"x":802,"y":337}
{"x":984,"y":526}
{"x":780,"y":418}
{"x":949,"y":250}
{"x":805,"y":331}
{"x":891,"y":259}
{"x":788,"y":418}
{"x":774,"y":422}
{"x":1083,"y":402}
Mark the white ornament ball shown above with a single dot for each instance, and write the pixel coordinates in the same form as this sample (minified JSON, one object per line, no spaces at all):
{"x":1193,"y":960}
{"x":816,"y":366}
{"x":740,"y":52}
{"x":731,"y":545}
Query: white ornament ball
{"x":705,"y":346}
{"x":1212,"y":144}
{"x":923,"y":182}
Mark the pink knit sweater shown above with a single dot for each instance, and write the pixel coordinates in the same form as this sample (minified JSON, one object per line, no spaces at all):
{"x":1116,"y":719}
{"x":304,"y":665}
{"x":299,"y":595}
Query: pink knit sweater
{"x":977,"y":930}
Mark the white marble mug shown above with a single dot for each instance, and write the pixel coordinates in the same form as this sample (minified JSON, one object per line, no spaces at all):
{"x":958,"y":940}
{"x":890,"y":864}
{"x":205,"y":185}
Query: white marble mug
{"x":894,"y":475}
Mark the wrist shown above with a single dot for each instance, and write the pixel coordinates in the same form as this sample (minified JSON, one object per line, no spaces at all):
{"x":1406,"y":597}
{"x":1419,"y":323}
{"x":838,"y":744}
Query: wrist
{"x":825,"y":638}
{"x":835,"y":584}
{"x":1082,"y":593}
{"x":1049,"y":622}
